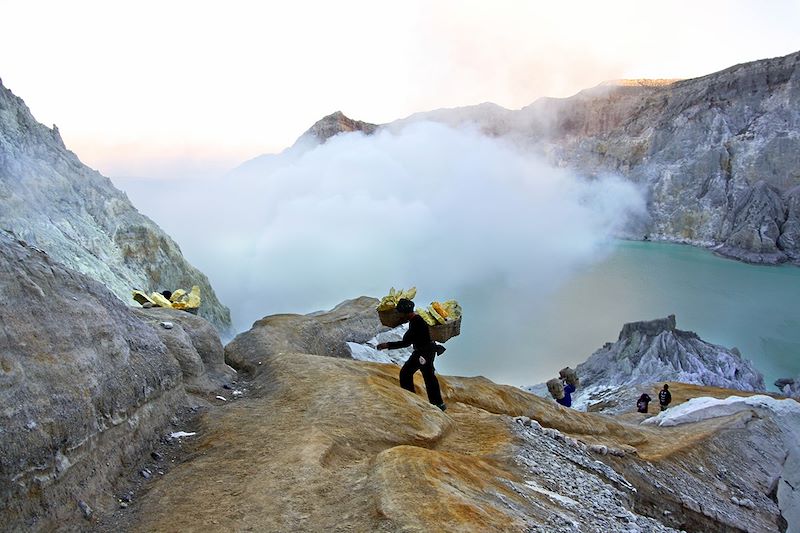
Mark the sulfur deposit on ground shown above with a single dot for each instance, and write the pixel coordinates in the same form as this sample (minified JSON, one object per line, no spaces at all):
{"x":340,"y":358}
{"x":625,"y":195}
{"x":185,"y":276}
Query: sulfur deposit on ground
{"x":328,"y":444}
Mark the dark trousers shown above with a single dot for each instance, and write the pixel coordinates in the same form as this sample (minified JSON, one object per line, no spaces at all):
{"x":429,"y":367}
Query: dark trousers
{"x":431,"y":383}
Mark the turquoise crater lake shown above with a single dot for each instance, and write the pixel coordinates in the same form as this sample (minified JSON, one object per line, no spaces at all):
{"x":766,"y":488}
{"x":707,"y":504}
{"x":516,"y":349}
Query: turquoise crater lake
{"x":726,"y":302}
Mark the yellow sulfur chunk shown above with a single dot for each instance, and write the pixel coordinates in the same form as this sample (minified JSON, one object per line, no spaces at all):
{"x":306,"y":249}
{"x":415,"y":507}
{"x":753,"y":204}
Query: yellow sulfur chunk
{"x":439,"y":309}
{"x":159,"y":300}
{"x":177,"y":295}
{"x":193,"y":300}
{"x":426,"y":316}
{"x":439,"y":318}
{"x":142,"y":298}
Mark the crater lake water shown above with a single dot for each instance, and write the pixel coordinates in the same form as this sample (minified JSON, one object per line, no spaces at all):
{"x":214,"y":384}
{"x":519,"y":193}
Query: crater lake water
{"x":733,"y":304}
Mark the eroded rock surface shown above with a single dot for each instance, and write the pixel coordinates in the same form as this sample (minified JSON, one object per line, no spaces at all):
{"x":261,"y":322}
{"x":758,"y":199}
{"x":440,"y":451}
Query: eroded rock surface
{"x":331,"y":444}
{"x":196,"y":345}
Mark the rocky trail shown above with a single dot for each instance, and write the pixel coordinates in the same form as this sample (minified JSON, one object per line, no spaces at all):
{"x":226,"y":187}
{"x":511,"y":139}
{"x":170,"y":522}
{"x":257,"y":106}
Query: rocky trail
{"x":325,"y":444}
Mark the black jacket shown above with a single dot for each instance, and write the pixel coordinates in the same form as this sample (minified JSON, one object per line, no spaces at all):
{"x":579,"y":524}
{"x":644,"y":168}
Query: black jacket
{"x":419,"y":335}
{"x":664,"y":397}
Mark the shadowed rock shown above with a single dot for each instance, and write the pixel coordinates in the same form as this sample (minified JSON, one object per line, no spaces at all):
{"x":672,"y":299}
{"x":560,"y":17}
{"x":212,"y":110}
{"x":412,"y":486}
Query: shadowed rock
{"x":84,"y":385}
{"x":195,"y":343}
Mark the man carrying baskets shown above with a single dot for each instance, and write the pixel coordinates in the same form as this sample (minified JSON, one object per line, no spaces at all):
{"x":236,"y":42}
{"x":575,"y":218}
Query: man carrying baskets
{"x":422,"y":357}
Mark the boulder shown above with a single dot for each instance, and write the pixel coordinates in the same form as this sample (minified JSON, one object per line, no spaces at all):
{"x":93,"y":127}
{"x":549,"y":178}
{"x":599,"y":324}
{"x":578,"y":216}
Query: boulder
{"x":195,"y":343}
{"x":320,"y":333}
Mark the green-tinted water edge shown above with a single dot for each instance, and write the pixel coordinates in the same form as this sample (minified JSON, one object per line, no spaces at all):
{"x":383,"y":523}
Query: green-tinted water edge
{"x":726,"y":302}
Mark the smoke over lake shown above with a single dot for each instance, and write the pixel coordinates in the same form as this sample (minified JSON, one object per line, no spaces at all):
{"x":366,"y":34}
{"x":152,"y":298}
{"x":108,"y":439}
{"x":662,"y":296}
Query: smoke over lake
{"x":450,"y":211}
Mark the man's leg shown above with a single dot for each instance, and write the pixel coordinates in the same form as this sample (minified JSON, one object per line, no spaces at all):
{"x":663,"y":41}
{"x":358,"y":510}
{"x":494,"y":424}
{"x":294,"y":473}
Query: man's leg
{"x":431,"y":384}
{"x":407,"y":373}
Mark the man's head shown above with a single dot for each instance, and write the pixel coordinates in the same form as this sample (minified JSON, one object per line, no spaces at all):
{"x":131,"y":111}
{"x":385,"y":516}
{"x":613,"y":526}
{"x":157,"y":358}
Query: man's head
{"x":666,"y":387}
{"x":405,"y":306}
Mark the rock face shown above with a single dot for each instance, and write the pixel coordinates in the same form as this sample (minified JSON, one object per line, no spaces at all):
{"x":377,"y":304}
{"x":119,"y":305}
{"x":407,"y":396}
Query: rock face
{"x":49,"y":199}
{"x":655,"y":350}
{"x":331,"y":444}
{"x":718,"y":154}
{"x":321,"y":333}
{"x":87,"y":384}
{"x":789,"y":386}
{"x":84,"y":386}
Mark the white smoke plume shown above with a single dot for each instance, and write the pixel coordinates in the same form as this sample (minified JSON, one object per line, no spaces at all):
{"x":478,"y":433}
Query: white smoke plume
{"x":451,"y":211}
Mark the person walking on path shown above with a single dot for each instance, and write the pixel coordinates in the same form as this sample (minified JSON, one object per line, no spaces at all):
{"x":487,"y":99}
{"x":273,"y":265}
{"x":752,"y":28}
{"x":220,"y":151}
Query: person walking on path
{"x":566,"y":401}
{"x":422,"y":357}
{"x":664,"y":397}
{"x":642,"y":403}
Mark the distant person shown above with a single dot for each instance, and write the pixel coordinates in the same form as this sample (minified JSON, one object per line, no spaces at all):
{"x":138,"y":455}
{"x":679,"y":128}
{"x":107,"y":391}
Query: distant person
{"x":166,"y":294}
{"x":422,"y":357}
{"x":664,"y":397}
{"x":642,"y":403}
{"x":566,"y":401}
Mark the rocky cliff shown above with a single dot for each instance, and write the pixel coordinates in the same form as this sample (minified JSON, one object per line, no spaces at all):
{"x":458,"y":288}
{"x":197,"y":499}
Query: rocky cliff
{"x":86,"y":386}
{"x":719,"y":155}
{"x":49,"y":199}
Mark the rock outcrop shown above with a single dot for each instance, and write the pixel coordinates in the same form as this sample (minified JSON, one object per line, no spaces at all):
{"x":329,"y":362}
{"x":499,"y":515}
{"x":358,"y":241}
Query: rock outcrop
{"x":194,"y":343}
{"x":320,"y":333}
{"x":789,"y":386}
{"x":51,"y":200}
{"x":87,"y":384}
{"x":656,"y":350}
{"x":331,"y":444}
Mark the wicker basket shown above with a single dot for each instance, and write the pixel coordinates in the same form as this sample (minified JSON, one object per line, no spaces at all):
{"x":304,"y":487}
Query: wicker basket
{"x":391,"y":318}
{"x":442,"y":332}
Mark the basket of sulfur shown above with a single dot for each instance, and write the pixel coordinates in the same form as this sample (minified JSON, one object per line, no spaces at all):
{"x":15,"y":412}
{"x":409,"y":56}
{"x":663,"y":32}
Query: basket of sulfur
{"x":387,"y":313}
{"x":443,"y":318}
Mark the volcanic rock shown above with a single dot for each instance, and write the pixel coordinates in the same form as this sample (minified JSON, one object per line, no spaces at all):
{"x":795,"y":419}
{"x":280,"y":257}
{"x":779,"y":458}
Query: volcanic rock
{"x":320,"y":333}
{"x":655,"y":350}
{"x":327,"y":444}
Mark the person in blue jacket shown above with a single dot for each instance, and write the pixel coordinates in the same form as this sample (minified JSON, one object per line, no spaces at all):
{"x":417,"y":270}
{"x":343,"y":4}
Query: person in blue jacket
{"x":566,"y":401}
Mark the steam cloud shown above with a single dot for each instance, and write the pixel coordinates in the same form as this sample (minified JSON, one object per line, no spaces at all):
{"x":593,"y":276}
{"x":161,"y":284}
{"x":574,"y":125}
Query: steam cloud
{"x":451,"y":211}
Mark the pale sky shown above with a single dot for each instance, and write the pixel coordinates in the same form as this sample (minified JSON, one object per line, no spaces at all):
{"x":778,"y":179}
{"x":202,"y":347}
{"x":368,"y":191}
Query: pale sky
{"x":190,"y":88}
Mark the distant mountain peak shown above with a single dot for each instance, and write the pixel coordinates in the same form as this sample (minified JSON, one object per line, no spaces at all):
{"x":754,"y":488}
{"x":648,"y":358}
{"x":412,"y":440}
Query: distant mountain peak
{"x":337,"y":123}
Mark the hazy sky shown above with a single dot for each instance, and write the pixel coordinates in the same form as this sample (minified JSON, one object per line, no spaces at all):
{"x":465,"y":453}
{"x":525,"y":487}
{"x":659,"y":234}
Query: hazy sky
{"x":171,"y":89}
